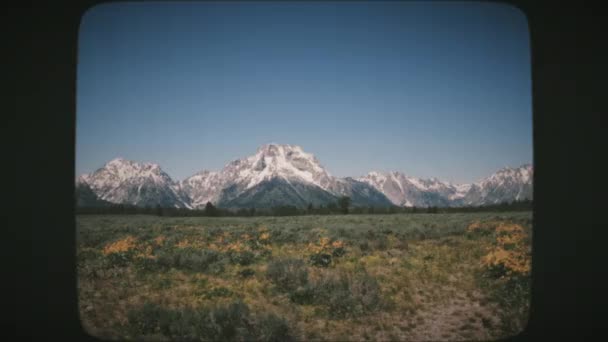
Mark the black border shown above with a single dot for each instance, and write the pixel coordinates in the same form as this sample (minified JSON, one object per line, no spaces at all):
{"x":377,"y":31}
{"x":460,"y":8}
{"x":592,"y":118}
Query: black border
{"x":565,"y":60}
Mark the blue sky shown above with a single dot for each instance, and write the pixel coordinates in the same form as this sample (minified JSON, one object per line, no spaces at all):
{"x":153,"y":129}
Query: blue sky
{"x":430,"y":89}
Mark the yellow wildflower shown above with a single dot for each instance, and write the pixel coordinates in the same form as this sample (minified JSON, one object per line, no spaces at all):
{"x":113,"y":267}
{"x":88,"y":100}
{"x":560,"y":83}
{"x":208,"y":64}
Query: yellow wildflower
{"x":146,"y":253}
{"x":337,"y":244}
{"x":517,"y":258}
{"x":474,"y":226}
{"x":509,"y":228}
{"x":120,"y":246}
{"x":160,"y":240}
{"x":189,"y":244}
{"x":182,"y":244}
{"x":236,"y":247}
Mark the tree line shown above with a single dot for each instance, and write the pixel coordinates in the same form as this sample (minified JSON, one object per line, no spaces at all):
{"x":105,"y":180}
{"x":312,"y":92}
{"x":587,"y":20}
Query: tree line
{"x":342,"y":206}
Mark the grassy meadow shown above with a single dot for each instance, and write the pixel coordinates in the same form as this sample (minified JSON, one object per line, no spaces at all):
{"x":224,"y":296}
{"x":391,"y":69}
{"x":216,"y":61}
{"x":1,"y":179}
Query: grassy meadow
{"x":406,"y":277}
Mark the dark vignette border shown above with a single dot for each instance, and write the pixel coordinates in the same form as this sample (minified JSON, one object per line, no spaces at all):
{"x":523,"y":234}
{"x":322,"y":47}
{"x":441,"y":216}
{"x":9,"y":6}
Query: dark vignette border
{"x":565,"y":112}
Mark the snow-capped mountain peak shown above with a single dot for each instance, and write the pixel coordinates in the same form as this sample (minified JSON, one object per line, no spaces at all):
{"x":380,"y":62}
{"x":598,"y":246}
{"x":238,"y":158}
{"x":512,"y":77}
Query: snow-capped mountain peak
{"x":203,"y":187}
{"x":284,"y":161}
{"x":404,"y":190}
{"x":126,"y":181}
{"x":507,"y":183}
{"x":281,"y":173}
{"x":273,"y":164}
{"x":82,"y":179}
{"x":270,"y":161}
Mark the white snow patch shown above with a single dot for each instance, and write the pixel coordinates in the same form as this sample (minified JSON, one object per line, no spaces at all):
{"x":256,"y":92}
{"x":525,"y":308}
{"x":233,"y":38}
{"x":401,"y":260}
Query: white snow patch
{"x":397,"y":181}
{"x":417,"y":183}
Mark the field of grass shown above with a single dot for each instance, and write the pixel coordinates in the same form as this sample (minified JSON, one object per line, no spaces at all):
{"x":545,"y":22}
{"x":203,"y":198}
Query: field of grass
{"x":314,"y":278}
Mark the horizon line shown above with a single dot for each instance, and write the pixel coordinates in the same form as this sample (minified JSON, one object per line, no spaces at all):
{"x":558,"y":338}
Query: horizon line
{"x":372,"y":170}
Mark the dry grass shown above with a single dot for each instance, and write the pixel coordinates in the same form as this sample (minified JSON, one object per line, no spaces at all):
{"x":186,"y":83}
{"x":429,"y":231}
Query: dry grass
{"x":434,"y":288}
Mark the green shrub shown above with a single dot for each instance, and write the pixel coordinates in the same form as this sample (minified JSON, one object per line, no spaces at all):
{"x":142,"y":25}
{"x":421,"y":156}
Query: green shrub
{"x":320,"y":259}
{"x":246,"y":273}
{"x":147,"y":319}
{"x":146,"y":265}
{"x":341,"y":232}
{"x":90,"y":239}
{"x":191,"y":259}
{"x":272,"y":328}
{"x":218,"y":292}
{"x":223,"y":323}
{"x":284,"y":236}
{"x":333,"y":291}
{"x":120,"y":259}
{"x":366,"y":290}
{"x":214,"y":232}
{"x":165,"y":259}
{"x":346,"y":295}
{"x":226,"y":323}
{"x":182,"y":324}
{"x":287,"y":274}
{"x":242,"y":258}
{"x":380,"y":243}
{"x":263,"y":253}
{"x":303,"y":295}
{"x":401,"y":243}
{"x":89,"y":263}
{"x":513,"y":296}
{"x":338,"y":252}
{"x":364,"y":246}
{"x":83,"y":257}
{"x":163,"y":283}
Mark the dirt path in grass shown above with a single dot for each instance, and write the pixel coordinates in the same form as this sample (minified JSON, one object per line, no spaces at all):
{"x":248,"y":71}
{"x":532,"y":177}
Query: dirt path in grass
{"x":459,"y":318}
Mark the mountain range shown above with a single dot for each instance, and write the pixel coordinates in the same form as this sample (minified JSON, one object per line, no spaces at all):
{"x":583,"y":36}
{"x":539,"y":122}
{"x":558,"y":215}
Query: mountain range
{"x":287,"y":175}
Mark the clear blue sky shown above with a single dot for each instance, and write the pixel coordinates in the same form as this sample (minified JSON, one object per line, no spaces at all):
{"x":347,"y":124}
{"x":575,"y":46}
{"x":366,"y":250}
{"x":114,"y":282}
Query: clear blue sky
{"x":430,"y":89}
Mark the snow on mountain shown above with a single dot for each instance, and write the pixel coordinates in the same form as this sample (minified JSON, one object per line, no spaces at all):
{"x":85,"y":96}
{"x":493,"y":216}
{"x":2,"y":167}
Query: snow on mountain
{"x":460,"y":191}
{"x":360,"y":193}
{"x":129,"y":182}
{"x":507,"y":184}
{"x":288,"y":163}
{"x":82,"y":179}
{"x":294,"y":177}
{"x":85,"y":197}
{"x":409,"y":191}
{"x":273,"y":160}
{"x":203,"y":187}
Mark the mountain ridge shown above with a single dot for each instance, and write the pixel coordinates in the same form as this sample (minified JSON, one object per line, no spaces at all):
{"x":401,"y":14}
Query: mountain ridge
{"x":297,"y":176}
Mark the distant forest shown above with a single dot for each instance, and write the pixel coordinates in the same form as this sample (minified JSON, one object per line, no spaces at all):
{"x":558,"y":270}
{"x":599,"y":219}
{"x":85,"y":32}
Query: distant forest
{"x":342,"y":206}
